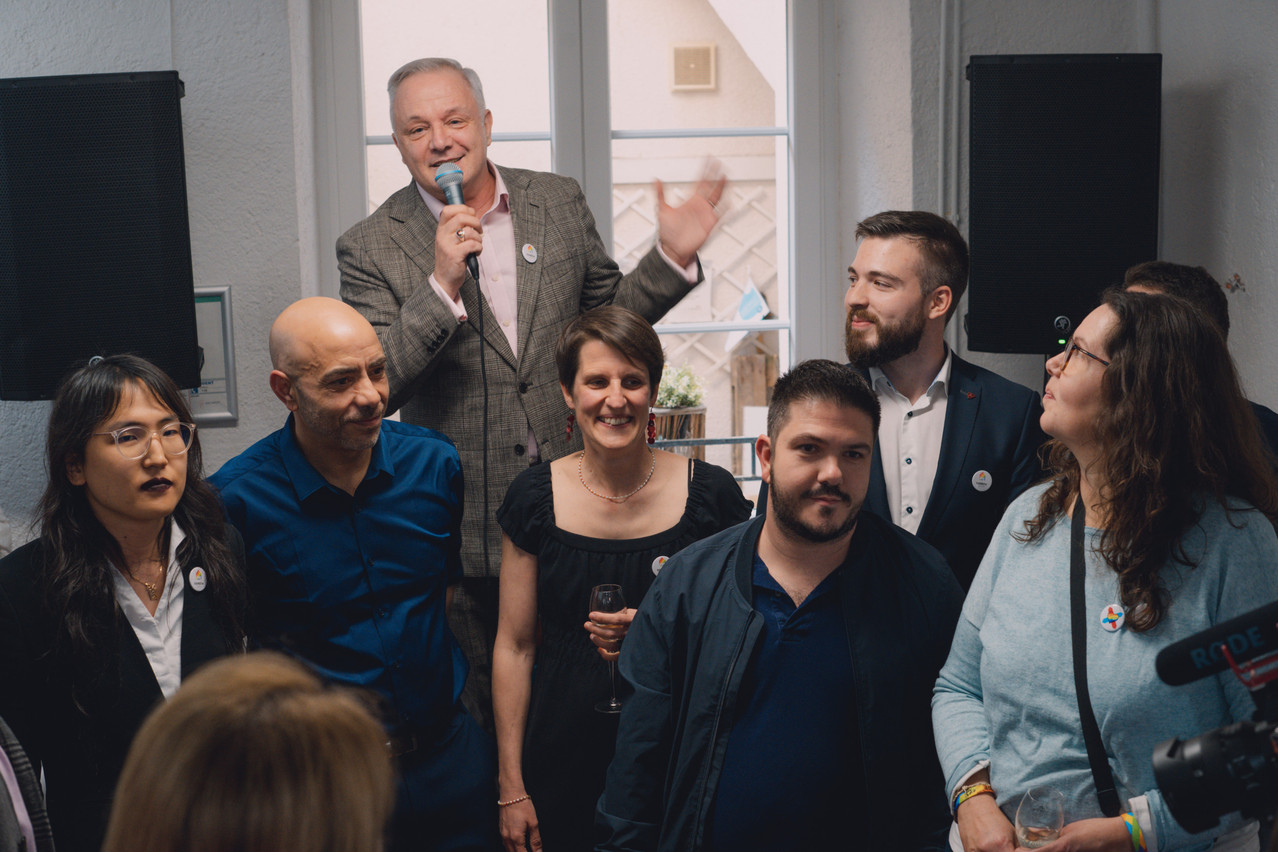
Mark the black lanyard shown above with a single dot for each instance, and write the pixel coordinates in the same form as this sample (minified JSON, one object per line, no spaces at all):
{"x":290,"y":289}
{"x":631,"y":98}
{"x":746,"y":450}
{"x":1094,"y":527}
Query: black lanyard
{"x":1104,"y":779}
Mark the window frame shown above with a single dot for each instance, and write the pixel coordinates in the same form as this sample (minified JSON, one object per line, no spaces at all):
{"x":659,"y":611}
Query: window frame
{"x":582,"y":148}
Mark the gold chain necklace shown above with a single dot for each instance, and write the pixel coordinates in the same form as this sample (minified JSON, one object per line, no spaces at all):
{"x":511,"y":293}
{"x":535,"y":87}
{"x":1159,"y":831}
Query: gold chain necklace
{"x":624,"y":497}
{"x":152,"y":592}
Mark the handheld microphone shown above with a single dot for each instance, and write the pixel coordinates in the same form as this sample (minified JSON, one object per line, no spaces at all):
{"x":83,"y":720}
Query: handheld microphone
{"x":449,"y":179}
{"x":1247,"y":636}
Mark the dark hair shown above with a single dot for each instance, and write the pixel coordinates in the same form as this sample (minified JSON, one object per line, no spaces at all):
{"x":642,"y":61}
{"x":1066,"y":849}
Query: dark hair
{"x":1191,"y":283}
{"x":618,"y":328}
{"x":943,"y":248}
{"x":255,"y":753}
{"x":1174,"y":429}
{"x":78,"y":551}
{"x":823,"y":380}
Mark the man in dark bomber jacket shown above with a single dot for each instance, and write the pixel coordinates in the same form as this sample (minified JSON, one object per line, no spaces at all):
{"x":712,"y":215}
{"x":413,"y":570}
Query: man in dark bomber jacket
{"x":783,"y":669}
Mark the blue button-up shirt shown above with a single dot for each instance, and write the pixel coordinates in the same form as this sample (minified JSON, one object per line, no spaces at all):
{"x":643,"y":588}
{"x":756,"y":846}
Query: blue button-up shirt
{"x":357,"y":585}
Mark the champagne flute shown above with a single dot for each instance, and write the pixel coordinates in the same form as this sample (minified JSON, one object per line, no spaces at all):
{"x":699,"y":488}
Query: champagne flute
{"x":608,"y":598}
{"x":1039,"y":817}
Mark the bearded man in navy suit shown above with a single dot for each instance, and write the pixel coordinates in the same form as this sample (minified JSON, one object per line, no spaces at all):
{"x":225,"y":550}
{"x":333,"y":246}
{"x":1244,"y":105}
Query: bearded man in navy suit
{"x":957,"y":442}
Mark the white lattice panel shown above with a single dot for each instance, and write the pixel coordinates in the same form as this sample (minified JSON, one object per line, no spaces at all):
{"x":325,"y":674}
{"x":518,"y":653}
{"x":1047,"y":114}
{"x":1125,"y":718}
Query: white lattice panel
{"x":742,"y":250}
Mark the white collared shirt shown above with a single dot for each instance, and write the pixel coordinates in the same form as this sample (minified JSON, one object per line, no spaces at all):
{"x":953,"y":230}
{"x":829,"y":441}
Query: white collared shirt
{"x":910,"y":443}
{"x":160,"y":635}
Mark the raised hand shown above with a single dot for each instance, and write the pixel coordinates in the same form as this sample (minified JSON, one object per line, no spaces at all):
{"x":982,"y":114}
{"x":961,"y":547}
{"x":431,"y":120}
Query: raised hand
{"x":683,"y":230}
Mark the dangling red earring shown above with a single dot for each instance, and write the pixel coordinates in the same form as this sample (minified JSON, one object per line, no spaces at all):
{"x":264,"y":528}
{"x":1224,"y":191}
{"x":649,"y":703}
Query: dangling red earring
{"x":571,"y":420}
{"x":652,"y":428}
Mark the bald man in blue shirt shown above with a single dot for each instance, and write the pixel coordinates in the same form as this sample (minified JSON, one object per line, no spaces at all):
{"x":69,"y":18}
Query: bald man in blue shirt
{"x":351,"y":527}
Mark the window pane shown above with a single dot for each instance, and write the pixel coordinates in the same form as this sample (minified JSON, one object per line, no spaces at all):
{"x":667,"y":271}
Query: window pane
{"x":516,"y":81}
{"x":681,"y":65}
{"x":749,"y":247}
{"x":736,"y":384}
{"x":697,"y":63}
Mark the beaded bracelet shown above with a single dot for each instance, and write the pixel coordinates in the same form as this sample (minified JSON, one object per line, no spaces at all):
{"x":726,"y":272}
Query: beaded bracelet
{"x":968,"y":792}
{"x":525,"y":797}
{"x":1133,"y":829}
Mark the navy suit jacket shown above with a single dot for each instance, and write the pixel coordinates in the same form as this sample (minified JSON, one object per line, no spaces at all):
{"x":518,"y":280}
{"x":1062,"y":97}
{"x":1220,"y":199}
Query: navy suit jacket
{"x":1268,"y":419}
{"x":991,"y":425}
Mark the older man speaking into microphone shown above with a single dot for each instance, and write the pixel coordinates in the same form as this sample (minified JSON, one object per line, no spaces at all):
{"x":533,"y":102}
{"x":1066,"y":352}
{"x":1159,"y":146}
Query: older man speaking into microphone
{"x":472,"y":355}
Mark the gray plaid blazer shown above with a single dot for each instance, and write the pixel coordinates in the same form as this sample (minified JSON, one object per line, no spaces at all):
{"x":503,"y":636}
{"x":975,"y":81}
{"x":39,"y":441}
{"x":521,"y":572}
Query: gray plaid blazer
{"x":433,"y":361}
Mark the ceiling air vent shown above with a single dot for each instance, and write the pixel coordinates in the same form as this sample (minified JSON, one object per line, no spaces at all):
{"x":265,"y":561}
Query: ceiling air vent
{"x":693,"y":68}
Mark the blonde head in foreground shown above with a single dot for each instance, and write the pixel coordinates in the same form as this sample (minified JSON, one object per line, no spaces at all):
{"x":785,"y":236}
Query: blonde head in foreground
{"x":255,"y":754}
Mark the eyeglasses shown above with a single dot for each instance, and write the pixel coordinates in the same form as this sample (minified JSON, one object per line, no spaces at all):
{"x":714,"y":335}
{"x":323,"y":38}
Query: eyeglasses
{"x":134,"y":442}
{"x":1072,"y":347}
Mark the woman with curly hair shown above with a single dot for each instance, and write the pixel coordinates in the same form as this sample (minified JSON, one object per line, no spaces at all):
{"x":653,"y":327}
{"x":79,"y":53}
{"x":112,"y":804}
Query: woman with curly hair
{"x":1158,"y":466}
{"x":134,"y":581}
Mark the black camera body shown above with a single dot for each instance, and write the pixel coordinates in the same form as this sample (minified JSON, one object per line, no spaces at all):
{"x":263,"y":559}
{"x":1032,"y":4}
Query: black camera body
{"x":1233,"y":768}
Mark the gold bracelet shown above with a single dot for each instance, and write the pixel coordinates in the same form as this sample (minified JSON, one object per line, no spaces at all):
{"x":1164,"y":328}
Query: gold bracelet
{"x":525,"y":797}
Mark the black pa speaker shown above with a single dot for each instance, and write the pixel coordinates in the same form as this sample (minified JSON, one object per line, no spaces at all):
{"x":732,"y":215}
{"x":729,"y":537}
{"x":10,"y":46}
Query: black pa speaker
{"x":95,"y":247}
{"x":1064,"y":190}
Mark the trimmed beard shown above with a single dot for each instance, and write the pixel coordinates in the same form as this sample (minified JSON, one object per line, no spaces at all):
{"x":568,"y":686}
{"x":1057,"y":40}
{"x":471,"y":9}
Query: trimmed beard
{"x":785,"y":509}
{"x":896,"y":340}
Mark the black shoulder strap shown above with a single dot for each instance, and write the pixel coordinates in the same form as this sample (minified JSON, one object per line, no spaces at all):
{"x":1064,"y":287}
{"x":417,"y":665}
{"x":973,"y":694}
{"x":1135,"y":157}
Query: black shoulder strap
{"x":1104,"y":779}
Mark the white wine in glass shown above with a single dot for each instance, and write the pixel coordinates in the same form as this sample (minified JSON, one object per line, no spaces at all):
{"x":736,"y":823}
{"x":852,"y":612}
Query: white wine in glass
{"x":1039,"y":817}
{"x":608,"y":598}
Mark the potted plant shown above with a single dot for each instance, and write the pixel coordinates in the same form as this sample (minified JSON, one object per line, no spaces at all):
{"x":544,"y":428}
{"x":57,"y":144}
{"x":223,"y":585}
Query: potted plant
{"x":678,"y":410}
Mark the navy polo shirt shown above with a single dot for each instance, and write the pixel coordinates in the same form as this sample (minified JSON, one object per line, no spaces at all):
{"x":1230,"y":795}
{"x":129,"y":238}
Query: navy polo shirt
{"x":792,"y":774}
{"x":356,"y":585}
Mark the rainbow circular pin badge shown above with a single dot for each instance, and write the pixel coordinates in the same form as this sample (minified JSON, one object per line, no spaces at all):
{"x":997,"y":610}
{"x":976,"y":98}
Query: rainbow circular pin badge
{"x":1112,"y":617}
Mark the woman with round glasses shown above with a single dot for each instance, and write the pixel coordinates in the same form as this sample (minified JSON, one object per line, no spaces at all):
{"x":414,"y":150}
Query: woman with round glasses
{"x":134,"y":582}
{"x":1159,"y":469}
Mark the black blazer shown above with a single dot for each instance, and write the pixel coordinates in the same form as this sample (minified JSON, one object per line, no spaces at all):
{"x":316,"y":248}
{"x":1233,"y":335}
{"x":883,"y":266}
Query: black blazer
{"x":1268,"y":420}
{"x":83,"y":752}
{"x":991,"y":425}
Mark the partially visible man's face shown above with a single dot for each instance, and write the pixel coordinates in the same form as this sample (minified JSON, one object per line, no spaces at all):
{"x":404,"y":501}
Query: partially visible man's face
{"x":886,"y":311}
{"x":437,"y":121}
{"x":341,"y":396}
{"x":818,"y":470}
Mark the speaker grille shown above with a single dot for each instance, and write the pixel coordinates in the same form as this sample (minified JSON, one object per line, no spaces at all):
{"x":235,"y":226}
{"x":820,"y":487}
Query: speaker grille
{"x":694,"y":68}
{"x":1063,"y":190}
{"x":95,"y":253}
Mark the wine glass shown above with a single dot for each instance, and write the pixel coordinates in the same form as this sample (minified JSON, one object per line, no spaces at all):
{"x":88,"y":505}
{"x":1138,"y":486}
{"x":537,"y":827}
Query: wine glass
{"x":608,"y":598}
{"x":1039,"y":817}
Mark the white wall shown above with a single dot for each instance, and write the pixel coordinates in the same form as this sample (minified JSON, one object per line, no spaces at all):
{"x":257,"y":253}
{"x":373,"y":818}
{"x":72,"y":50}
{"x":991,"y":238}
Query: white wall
{"x":1220,"y":164}
{"x":1219,"y":207}
{"x":238,"y":122}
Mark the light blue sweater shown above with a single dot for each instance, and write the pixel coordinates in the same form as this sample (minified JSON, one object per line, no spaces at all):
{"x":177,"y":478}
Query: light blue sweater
{"x":1006,"y":693}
